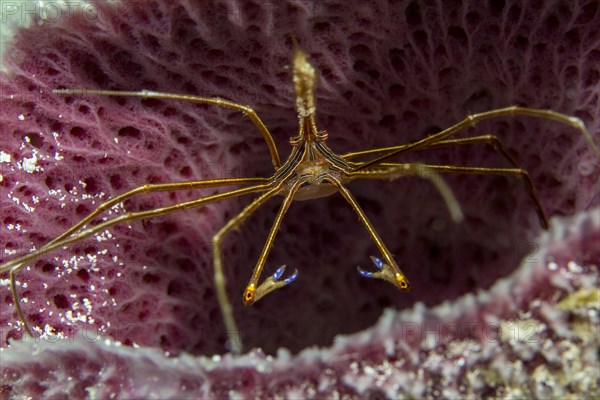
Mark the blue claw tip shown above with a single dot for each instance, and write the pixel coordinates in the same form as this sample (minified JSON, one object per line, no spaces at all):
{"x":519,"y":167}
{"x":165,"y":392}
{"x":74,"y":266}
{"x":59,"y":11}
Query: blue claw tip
{"x":278,"y":273}
{"x":291,"y":278}
{"x":364,"y":273}
{"x":378,"y":263}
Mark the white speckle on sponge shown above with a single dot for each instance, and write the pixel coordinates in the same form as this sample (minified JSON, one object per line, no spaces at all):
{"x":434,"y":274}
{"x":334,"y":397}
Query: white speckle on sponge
{"x":4,"y":157}
{"x":29,"y":164}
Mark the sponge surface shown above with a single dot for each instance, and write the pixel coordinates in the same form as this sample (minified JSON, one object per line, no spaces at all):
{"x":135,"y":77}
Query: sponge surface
{"x":389,"y":74}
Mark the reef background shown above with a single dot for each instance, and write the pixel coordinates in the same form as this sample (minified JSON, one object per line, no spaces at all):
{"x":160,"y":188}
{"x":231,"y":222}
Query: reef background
{"x":512,"y":311}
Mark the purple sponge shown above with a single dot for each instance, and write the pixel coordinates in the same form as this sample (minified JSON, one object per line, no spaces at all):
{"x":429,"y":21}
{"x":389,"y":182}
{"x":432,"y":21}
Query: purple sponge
{"x":389,"y":74}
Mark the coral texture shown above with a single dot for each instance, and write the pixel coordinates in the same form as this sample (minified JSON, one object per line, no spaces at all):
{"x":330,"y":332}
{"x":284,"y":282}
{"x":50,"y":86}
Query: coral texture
{"x":390,"y":73}
{"x":514,"y":341}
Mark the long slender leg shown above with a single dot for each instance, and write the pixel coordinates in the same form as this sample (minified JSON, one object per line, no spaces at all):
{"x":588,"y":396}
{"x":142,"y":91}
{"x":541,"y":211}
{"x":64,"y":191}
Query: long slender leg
{"x":518,"y":172}
{"x":471,"y":120}
{"x":216,"y":101}
{"x":253,"y":291}
{"x":17,"y":264}
{"x":389,"y":270}
{"x":489,"y":139}
{"x":498,"y":146}
{"x":115,"y":200}
{"x":158,"y":187}
{"x":396,"y":169}
{"x":220,"y":281}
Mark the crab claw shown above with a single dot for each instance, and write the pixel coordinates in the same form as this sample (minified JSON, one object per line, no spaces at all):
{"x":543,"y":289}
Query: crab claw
{"x":378,"y":263}
{"x":277,"y":275}
{"x":273,"y":282}
{"x":291,"y":278}
{"x":386,"y":272}
{"x":364,"y":273}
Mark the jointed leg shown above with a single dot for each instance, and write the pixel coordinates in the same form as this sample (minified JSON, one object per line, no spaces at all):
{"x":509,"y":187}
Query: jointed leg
{"x":392,"y":171}
{"x":397,"y":170}
{"x":389,"y":270}
{"x":158,"y":187}
{"x":255,"y":292}
{"x":248,"y":111}
{"x":473,"y":119}
{"x":489,"y":139}
{"x":518,"y":172}
{"x":18,"y":263}
{"x":220,"y":281}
